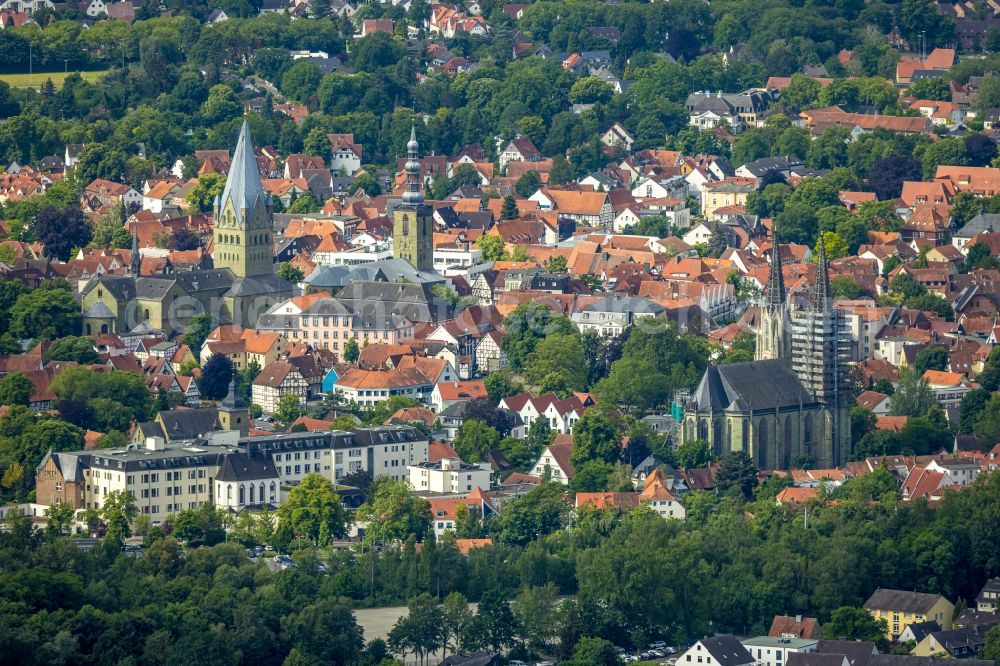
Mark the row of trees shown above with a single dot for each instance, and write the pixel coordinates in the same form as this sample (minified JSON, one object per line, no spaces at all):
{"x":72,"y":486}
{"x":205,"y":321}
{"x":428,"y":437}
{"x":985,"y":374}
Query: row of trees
{"x":737,"y":560}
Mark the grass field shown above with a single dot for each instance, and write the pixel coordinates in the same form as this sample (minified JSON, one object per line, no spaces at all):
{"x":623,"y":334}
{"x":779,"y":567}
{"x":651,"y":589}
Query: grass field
{"x":38,"y":78}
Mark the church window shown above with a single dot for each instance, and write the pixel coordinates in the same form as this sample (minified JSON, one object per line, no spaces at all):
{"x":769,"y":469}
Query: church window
{"x":702,"y":429}
{"x":88,"y":329}
{"x":807,"y":428}
{"x":146,"y":313}
{"x":746,"y":433}
{"x":242,"y":494}
{"x":406,"y":225}
{"x":716,"y":433}
{"x":761,"y":434}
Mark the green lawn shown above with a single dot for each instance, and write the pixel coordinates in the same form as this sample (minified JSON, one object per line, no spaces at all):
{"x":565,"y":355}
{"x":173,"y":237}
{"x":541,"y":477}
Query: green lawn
{"x":38,"y":78}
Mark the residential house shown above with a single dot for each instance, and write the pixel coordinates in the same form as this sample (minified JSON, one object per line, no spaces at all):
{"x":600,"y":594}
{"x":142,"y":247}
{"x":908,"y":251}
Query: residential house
{"x":277,"y":380}
{"x":737,"y":111}
{"x":449,"y":476}
{"x":720,"y":650}
{"x":725,"y":193}
{"x":776,"y":650}
{"x":901,"y":608}
{"x":797,"y":626}
{"x":554,"y":461}
{"x":447,"y":393}
{"x":519,"y":149}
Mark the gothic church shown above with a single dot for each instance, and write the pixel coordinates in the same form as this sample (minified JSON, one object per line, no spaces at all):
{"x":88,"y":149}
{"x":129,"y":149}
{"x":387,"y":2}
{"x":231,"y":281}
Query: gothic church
{"x":790,"y":406}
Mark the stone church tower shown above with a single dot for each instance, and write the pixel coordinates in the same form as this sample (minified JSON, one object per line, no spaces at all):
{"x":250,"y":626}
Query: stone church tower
{"x":820,"y":355}
{"x":243,"y":217}
{"x":412,"y":226}
{"x":774,"y":335}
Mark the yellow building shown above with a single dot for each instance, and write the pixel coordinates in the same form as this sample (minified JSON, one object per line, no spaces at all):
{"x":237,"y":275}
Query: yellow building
{"x":729,"y":192}
{"x":900,"y":609}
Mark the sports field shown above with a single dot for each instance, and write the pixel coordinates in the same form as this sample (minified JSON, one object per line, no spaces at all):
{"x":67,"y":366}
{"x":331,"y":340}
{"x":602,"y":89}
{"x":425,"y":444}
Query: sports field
{"x":36,"y":79}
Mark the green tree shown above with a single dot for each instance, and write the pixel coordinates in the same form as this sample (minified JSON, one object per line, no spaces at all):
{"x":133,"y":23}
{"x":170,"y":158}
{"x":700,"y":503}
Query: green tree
{"x":526,"y":326}
{"x":509,"y":209}
{"x":494,"y":624}
{"x":913,"y":396}
{"x":946,"y":151}
{"x":933,"y":357}
{"x":991,"y":647}
{"x":200,"y":526}
{"x":394,"y":513}
{"x":693,"y":454}
{"x":527,"y":184}
{"x":16,"y":389}
{"x":117,"y":512}
{"x":289,"y":273}
{"x":542,"y":511}
{"x":972,"y":405}
{"x":315,"y":511}
{"x":288,"y":409}
{"x":736,"y":471}
{"x":197,"y":330}
{"x":836,"y":247}
{"x":455,"y":621}
{"x":534,"y":608}
{"x":851,"y":623}
{"x":595,"y":437}
{"x":202,"y":196}
{"x":60,"y":518}
{"x":843,"y":287}
{"x":988,"y":422}
{"x":325,"y":631}
{"x":420,"y":631}
{"x":595,"y":652}
{"x":474,"y":440}
{"x":557,"y":363}
{"x":351,"y":351}
{"x":492,"y":247}
{"x":46,"y":312}
{"x":78,"y":349}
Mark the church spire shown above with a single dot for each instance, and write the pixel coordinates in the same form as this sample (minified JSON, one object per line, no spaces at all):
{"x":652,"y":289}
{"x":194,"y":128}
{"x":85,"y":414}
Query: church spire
{"x":775,"y":297}
{"x":136,"y":258}
{"x":413,"y":195}
{"x":821,"y":290}
{"x":243,"y":185}
{"x":232,"y":400}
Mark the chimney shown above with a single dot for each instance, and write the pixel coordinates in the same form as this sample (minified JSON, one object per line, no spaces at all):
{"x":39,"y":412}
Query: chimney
{"x":798,"y":618}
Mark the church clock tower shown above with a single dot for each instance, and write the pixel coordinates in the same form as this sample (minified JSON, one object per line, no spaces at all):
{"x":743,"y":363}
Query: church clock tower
{"x":412,"y":232}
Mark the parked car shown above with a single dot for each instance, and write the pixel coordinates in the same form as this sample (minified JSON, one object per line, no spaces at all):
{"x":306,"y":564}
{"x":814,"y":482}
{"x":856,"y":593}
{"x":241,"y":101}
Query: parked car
{"x":516,"y":662}
{"x":670,"y":650}
{"x":656,"y":645}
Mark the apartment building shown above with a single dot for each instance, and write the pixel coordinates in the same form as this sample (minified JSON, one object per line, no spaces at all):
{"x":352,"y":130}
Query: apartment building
{"x":449,"y":475}
{"x":231,"y":473}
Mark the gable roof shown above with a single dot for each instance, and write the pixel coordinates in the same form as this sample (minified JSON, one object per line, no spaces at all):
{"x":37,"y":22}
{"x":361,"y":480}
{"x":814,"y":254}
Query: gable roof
{"x":727,"y":650}
{"x":901,"y":600}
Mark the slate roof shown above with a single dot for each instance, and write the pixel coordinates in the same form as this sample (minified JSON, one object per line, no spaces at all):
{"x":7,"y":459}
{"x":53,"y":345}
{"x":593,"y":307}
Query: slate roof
{"x":901,"y":600}
{"x":241,"y":467}
{"x":981,"y":223}
{"x":737,"y":387}
{"x":185,"y":424}
{"x":815,"y":659}
{"x":921,"y":630}
{"x":857,"y":652}
{"x":727,"y":650}
{"x":910,"y":660}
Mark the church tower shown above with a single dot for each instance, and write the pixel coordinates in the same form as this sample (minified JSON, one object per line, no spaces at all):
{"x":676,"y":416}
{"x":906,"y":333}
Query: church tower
{"x":233,"y":413}
{"x":243,"y":217}
{"x":774,"y":332}
{"x":412,"y":232}
{"x":820,"y":355}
